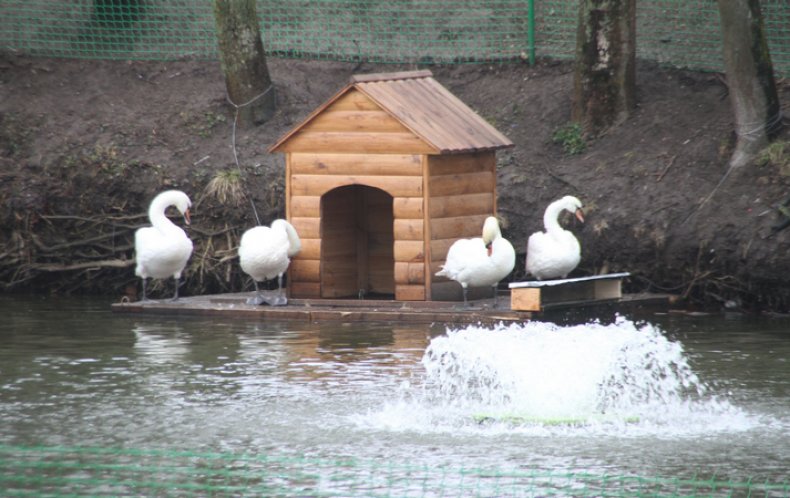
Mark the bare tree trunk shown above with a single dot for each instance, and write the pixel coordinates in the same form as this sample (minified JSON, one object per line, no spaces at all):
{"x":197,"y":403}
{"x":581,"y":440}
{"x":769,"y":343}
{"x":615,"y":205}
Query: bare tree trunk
{"x":244,"y":60}
{"x":605,"y":74}
{"x":750,"y":77}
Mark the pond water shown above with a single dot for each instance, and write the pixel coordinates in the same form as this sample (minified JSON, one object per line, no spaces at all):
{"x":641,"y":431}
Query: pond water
{"x":668,"y":395}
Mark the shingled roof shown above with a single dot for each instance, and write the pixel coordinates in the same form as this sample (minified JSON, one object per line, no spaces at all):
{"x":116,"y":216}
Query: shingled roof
{"x":423,"y":106}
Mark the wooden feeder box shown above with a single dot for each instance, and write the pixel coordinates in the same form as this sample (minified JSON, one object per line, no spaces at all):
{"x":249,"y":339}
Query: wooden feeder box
{"x":538,"y":294}
{"x":380,"y":181}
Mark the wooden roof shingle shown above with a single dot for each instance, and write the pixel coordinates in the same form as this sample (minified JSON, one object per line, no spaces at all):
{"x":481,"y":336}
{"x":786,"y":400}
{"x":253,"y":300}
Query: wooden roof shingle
{"x":423,"y":106}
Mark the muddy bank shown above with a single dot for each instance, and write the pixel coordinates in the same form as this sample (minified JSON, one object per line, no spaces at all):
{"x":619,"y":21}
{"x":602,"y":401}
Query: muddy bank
{"x":85,"y":145}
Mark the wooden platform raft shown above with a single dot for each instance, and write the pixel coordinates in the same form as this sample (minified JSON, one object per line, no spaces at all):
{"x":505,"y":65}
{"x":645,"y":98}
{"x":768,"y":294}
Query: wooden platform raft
{"x":528,"y":300}
{"x":337,"y":310}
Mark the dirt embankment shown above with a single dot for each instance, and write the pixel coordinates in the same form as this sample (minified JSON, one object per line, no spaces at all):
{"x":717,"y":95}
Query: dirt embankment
{"x":85,"y":145}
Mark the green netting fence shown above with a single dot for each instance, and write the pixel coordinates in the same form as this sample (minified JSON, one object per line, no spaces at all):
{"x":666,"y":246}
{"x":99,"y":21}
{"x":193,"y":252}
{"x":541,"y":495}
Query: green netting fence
{"x":683,"y":33}
{"x":98,"y":472}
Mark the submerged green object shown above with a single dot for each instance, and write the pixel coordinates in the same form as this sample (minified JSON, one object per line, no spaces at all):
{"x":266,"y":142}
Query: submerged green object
{"x":517,"y":419}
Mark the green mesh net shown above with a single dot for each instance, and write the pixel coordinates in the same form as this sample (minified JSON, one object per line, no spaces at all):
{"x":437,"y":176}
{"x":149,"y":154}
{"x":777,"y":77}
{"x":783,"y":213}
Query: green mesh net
{"x":98,"y":472}
{"x":684,"y":33}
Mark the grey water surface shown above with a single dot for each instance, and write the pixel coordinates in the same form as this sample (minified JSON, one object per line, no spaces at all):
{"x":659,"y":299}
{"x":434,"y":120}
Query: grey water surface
{"x":73,"y":373}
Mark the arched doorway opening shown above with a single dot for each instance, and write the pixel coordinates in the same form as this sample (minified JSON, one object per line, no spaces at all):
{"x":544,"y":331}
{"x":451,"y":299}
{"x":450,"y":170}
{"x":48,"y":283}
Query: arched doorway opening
{"x":357,"y":258}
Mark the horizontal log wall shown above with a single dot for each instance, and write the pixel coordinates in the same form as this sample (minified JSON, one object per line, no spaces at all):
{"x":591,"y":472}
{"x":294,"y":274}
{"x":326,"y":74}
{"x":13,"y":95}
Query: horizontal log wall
{"x":354,"y":124}
{"x":462,"y":193}
{"x":396,"y":186}
{"x":304,"y":272}
{"x":363,"y":142}
{"x":312,"y":175}
{"x":305,"y":163}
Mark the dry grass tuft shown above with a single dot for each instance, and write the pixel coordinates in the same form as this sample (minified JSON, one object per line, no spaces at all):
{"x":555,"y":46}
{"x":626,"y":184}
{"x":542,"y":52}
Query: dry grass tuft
{"x":226,"y":187}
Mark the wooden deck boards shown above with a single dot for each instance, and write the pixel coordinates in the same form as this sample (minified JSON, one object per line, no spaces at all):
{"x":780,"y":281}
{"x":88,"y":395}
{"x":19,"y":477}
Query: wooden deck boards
{"x":343,"y":310}
{"x":354,"y":310}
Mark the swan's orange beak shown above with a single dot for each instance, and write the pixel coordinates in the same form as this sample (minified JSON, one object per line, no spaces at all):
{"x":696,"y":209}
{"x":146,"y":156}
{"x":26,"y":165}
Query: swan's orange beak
{"x":580,"y":215}
{"x":489,"y":248}
{"x":186,"y":217}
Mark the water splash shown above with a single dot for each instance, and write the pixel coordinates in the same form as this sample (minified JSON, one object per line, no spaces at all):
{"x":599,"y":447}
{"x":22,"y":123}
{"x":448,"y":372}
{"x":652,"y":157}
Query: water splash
{"x":542,"y":374}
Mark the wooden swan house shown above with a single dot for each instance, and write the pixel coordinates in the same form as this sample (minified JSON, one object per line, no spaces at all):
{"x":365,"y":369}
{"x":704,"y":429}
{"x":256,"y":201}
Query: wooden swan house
{"x":380,"y":181}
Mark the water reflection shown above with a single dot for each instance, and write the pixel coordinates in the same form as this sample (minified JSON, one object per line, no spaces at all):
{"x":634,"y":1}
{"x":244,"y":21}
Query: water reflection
{"x":334,"y":353}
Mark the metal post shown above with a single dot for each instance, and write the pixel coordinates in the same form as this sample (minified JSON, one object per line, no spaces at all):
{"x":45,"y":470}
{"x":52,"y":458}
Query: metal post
{"x":531,"y":31}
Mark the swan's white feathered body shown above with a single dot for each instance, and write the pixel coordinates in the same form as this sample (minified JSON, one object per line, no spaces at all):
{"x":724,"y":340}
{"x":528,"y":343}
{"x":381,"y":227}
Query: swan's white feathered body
{"x":163,"y":249}
{"x":266,"y":252}
{"x":480,"y":262}
{"x":555,"y":252}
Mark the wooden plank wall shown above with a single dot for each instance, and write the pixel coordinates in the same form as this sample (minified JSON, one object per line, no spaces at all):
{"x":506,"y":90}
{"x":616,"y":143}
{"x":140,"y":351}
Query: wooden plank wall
{"x":462,"y":193}
{"x":313,"y":175}
{"x":356,"y":124}
{"x":354,"y":142}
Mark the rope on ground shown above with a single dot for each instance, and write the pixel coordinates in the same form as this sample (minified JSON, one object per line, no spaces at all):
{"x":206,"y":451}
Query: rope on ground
{"x":238,"y":107}
{"x":754,"y":130}
{"x":749,"y":136}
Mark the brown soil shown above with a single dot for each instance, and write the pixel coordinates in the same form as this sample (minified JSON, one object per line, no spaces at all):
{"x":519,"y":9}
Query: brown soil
{"x":84,"y":145}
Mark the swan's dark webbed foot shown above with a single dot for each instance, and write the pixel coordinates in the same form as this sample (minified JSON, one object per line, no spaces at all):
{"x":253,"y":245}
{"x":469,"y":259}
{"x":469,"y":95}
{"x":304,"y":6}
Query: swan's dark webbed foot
{"x":255,"y":300}
{"x":272,"y":298}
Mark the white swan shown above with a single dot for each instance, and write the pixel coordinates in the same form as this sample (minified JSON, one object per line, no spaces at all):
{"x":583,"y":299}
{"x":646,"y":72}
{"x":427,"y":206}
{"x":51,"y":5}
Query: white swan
{"x":162,"y":250}
{"x":555,"y":252}
{"x":480,"y":262}
{"x":266,"y":252}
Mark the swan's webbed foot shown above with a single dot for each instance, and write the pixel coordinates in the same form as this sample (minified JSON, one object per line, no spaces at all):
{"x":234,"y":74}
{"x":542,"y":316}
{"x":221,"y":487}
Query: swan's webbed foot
{"x":278,"y":300}
{"x":255,"y":300}
{"x":272,"y":298}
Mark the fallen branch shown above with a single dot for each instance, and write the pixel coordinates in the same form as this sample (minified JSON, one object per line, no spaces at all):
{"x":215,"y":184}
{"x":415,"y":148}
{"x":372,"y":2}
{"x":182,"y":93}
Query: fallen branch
{"x":76,"y":243}
{"x":666,"y":168}
{"x":93,"y":219}
{"x":108,"y":263}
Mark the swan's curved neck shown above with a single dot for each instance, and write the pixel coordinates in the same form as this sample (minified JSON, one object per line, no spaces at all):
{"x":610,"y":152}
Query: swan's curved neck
{"x":294,"y":243}
{"x":491,"y":231}
{"x":551,"y":217}
{"x":156,"y":213}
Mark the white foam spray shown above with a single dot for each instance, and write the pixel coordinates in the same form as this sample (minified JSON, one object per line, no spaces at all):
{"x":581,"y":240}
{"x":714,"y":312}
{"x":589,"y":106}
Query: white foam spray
{"x":543,"y":375}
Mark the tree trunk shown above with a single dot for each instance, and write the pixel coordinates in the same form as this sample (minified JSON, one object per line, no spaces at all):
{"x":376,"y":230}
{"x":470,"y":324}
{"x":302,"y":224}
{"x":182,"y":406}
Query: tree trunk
{"x":750,"y":78}
{"x":605,"y":71}
{"x":244,"y":61}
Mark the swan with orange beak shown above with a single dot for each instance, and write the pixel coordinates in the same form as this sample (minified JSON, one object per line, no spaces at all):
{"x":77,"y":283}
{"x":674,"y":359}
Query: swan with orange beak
{"x":163,"y":249}
{"x":480,"y":261}
{"x":555,"y":252}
